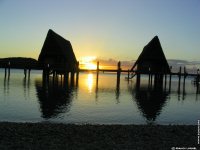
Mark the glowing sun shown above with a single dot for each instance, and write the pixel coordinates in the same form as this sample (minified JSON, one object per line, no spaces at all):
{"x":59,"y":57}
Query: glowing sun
{"x":87,"y":62}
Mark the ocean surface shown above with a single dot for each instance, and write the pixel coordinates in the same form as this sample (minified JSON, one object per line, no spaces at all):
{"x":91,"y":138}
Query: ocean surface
{"x":103,"y":102}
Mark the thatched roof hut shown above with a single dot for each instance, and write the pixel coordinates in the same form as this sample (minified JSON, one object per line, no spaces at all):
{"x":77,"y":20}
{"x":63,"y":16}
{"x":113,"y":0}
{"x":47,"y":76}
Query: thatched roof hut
{"x":152,"y":58}
{"x":58,"y":53}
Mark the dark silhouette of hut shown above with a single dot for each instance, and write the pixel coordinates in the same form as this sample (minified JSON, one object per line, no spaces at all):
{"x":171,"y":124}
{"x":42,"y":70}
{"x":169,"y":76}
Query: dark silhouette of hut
{"x":57,"y":55}
{"x":152,"y":59}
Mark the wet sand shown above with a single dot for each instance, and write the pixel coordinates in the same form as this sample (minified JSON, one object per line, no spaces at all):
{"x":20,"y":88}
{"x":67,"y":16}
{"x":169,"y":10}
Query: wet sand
{"x":38,"y":136}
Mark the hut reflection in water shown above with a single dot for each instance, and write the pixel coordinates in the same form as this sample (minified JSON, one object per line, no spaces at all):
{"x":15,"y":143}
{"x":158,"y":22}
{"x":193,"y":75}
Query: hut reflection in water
{"x":54,"y":98}
{"x":149,"y":100}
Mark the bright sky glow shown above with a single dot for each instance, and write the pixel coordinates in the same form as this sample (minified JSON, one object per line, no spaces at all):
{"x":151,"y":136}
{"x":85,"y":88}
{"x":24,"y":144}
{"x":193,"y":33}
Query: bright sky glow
{"x":117,"y":29}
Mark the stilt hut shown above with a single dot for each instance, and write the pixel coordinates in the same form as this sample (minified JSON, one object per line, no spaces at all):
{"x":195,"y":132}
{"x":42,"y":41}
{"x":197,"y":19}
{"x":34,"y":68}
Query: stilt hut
{"x":152,"y":61}
{"x":57,"y":54}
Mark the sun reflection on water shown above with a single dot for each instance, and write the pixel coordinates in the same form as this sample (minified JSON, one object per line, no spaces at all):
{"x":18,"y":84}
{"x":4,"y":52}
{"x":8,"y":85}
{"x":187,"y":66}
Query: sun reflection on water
{"x":89,"y":82}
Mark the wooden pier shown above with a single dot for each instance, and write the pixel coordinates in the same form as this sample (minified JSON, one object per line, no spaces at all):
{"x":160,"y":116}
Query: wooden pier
{"x":152,"y":76}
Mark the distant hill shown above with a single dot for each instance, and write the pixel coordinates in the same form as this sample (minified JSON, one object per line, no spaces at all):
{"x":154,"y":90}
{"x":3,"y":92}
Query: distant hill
{"x":19,"y":62}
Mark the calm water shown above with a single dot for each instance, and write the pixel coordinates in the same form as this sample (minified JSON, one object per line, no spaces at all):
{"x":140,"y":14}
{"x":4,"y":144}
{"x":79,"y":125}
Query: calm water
{"x":29,"y":101}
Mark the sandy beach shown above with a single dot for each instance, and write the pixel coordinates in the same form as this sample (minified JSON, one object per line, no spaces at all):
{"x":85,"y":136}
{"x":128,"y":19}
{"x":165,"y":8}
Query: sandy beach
{"x":35,"y":136}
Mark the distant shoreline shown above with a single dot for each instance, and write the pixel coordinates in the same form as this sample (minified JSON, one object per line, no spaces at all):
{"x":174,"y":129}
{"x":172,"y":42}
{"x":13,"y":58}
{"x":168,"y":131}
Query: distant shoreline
{"x":70,"y":136}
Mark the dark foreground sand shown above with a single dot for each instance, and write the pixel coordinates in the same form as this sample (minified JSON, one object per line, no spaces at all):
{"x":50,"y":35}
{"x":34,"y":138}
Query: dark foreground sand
{"x":45,"y":136}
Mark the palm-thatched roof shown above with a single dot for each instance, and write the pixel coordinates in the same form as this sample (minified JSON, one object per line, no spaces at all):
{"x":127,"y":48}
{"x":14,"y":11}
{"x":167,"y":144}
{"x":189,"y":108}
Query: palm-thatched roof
{"x":57,"y":50}
{"x":153,"y":57}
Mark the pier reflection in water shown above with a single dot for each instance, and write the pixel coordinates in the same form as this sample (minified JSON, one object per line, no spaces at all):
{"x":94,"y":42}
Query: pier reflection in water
{"x":54,"y":97}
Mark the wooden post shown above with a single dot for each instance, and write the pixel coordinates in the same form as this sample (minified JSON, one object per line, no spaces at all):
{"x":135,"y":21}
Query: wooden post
{"x":44,"y":77}
{"x":179,"y":80}
{"x":165,"y":80}
{"x":72,"y":78}
{"x":61,"y":79}
{"x":118,"y":73}
{"x":118,"y":80}
{"x":197,"y":81}
{"x":155,"y":80}
{"x":128,"y":74}
{"x":77,"y":73}
{"x":8,"y":69}
{"x":149,"y":82}
{"x":151,"y":79}
{"x":170,"y":78}
{"x":5,"y":72}
{"x":25,"y":73}
{"x":185,"y":75}
{"x":29,"y":71}
{"x":184,"y":70}
{"x":184,"y":86}
{"x":54,"y":74}
{"x":66,"y":78}
{"x":45,"y":74}
{"x":47,"y":78}
{"x":138,"y":80}
{"x":97,"y":79}
{"x":197,"y":91}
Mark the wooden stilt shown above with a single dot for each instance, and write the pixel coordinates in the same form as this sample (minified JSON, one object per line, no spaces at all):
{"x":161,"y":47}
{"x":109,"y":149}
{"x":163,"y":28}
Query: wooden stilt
{"x":44,"y":77}
{"x":43,"y":74}
{"x":66,"y":77}
{"x":165,"y":81}
{"x":184,"y":83}
{"x":155,"y":80}
{"x":8,"y":69}
{"x":5,"y":72}
{"x":54,"y":74}
{"x":138,"y":81}
{"x":77,"y":74}
{"x":8,"y":72}
{"x":185,"y":75}
{"x":48,"y":77}
{"x":151,"y":79}
{"x":197,"y":91}
{"x":179,"y":80}
{"x":149,"y":82}
{"x":72,"y":78}
{"x":97,"y":78}
{"x":118,"y":73}
{"x":29,"y":71}
{"x":128,"y":74}
{"x":25,"y":71}
{"x":170,"y":78}
{"x":170,"y":81}
{"x":61,"y":78}
{"x":197,"y":83}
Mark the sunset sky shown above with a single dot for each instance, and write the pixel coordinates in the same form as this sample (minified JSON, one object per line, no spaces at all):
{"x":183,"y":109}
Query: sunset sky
{"x":117,"y":29}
